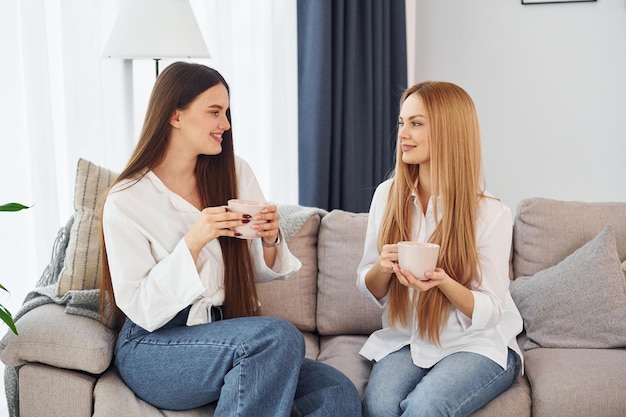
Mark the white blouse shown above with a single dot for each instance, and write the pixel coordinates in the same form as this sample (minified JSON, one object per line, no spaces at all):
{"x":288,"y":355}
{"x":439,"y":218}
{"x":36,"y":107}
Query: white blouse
{"x":152,"y":271}
{"x":495,"y":321}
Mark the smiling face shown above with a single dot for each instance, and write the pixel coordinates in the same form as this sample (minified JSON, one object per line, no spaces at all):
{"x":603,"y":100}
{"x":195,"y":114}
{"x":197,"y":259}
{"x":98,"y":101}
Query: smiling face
{"x":199,"y":126}
{"x":414,"y":131}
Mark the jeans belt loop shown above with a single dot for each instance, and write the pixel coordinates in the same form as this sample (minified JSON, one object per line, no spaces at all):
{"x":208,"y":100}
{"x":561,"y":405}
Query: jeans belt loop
{"x":217,"y":313}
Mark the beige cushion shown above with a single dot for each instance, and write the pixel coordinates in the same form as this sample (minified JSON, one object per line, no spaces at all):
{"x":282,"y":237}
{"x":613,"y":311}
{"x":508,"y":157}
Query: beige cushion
{"x":311,"y":345}
{"x":294,"y":298}
{"x":113,"y":398}
{"x":514,"y":402}
{"x":82,"y":256}
{"x":577,"y":382}
{"x":546,"y":231}
{"x":341,"y":309}
{"x":342,"y":352}
{"x":50,"y":336}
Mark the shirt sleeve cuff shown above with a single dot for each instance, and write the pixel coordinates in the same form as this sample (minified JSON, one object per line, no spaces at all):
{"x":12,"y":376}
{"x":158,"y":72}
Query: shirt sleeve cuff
{"x":481,"y":316}
{"x":366,"y":292}
{"x":285,"y":265}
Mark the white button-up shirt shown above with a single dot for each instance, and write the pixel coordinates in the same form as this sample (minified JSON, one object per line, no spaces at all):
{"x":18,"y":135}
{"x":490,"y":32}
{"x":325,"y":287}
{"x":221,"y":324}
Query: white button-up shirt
{"x":152,"y":271}
{"x":495,"y":321}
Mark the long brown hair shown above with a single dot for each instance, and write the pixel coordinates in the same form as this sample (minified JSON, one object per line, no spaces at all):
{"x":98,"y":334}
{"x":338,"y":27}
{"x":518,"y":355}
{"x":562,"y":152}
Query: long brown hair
{"x":457,"y":178}
{"x":175,"y":88}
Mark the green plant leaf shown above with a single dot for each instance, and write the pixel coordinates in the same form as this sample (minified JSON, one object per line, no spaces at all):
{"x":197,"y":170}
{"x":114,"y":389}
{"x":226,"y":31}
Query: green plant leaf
{"x":6,"y":317}
{"x":5,"y":314}
{"x":13,"y":207}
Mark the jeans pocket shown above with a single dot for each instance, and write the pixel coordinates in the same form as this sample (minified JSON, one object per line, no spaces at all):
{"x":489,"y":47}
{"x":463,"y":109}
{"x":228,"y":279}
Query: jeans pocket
{"x":130,"y":331}
{"x":136,"y":333}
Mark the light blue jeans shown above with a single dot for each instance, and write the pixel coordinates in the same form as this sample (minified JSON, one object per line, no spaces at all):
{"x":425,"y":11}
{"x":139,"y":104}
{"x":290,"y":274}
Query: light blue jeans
{"x":457,"y":385}
{"x":251,"y":366}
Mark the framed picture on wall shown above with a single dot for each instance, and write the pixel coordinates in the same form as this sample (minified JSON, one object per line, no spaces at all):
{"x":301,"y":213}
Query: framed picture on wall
{"x":555,"y":1}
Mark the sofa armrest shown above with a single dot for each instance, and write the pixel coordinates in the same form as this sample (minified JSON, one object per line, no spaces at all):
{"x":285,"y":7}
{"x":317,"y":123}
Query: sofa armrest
{"x":48,"y":391}
{"x":50,"y":336}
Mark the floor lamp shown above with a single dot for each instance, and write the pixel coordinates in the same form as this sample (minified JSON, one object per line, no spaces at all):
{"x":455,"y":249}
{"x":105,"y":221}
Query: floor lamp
{"x":152,"y":29}
{"x":155,"y":29}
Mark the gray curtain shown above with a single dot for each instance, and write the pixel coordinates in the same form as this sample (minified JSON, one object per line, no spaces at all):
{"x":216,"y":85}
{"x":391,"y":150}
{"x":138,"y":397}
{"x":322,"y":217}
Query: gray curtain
{"x":351,"y":73}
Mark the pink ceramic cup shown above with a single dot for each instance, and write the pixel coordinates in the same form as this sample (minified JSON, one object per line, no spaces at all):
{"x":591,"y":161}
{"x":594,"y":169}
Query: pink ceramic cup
{"x":418,"y":257}
{"x":251,"y":207}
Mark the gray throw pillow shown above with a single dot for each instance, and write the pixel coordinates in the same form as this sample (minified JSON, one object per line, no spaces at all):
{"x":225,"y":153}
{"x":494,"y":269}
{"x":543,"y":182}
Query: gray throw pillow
{"x":578,"y":303}
{"x":52,"y":272}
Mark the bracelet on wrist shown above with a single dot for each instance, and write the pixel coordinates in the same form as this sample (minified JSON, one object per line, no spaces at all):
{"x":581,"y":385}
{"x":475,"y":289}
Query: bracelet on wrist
{"x":272,"y":245}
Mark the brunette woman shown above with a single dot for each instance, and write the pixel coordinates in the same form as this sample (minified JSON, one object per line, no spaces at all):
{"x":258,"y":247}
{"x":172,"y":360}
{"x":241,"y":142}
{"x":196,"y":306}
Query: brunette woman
{"x":183,"y":282}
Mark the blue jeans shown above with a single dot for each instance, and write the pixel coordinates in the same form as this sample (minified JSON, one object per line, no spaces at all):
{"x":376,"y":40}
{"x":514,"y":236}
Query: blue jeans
{"x":457,"y":385}
{"x":251,"y":366}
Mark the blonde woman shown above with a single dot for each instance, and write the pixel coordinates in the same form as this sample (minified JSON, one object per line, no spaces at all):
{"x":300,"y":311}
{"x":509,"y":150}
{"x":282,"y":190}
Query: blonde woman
{"x":448,"y":344}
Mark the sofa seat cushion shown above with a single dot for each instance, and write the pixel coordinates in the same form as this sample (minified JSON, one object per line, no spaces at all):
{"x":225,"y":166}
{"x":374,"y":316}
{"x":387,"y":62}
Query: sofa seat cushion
{"x":341,"y":309}
{"x":514,"y":402}
{"x":342,"y":353}
{"x":113,"y":398}
{"x":311,"y":345}
{"x":577,"y":382}
{"x":50,"y":336}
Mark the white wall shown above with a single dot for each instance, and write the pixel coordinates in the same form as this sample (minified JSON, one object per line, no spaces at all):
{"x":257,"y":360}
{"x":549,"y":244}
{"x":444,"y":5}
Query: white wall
{"x":549,"y":84}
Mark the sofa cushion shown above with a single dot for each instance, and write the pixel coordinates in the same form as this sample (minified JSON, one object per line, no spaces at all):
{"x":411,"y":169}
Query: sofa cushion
{"x":311,"y":345}
{"x":112,"y":397}
{"x":50,"y":336}
{"x":546,"y":231}
{"x":514,"y":402}
{"x":294,"y":298}
{"x":577,"y":382}
{"x":82,"y":257}
{"x":341,"y":309}
{"x":342,"y":353}
{"x":578,"y":303}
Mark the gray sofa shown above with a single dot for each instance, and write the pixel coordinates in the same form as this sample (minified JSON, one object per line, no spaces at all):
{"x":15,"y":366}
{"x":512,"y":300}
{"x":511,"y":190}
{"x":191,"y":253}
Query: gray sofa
{"x":60,"y":364}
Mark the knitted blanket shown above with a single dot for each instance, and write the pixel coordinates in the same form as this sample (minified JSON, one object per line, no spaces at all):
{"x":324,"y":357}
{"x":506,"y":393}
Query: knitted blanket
{"x":86,"y":302}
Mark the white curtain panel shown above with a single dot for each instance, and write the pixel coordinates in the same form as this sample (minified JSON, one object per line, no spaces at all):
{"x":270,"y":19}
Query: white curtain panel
{"x":61,"y":100}
{"x":254,"y":45}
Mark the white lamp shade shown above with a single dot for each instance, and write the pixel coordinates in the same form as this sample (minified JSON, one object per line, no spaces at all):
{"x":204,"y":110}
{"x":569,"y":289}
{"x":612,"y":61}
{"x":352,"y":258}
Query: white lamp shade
{"x":155,"y":29}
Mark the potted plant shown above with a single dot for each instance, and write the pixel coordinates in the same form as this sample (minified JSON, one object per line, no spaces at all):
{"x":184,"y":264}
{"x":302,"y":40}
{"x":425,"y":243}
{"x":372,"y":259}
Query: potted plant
{"x":5,"y":314}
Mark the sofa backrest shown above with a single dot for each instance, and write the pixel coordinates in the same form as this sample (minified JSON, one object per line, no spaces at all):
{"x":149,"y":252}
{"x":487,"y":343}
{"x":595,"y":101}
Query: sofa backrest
{"x":546,"y":231}
{"x":322,"y":297}
{"x":341,"y":309}
{"x":295,"y":298}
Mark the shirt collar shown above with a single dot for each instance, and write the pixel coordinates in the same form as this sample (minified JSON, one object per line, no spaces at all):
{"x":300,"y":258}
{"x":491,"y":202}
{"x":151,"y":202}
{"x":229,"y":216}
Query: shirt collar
{"x":177,"y":201}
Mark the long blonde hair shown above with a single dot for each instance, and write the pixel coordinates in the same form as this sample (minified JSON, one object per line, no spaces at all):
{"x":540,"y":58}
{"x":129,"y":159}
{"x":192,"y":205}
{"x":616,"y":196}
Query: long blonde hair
{"x":457,"y":178}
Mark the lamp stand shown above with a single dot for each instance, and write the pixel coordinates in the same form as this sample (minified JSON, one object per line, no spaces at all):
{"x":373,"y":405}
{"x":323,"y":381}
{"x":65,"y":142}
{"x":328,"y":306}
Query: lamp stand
{"x":156,"y":62}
